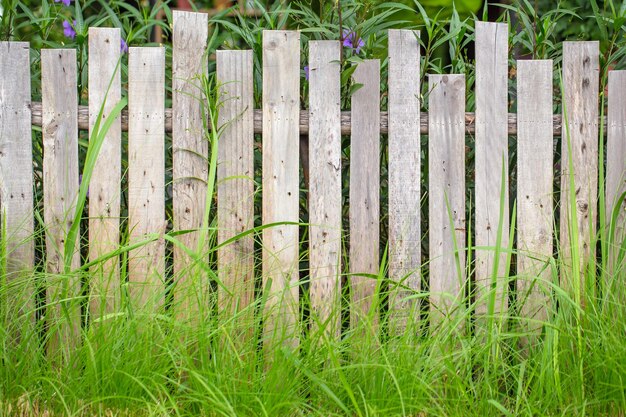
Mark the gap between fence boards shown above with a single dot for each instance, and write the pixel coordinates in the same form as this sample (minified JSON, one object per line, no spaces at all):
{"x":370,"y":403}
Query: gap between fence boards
{"x":83,"y":121}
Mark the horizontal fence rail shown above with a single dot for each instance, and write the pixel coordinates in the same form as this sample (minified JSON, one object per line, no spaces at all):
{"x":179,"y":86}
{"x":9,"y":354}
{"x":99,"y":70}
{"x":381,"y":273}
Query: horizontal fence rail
{"x":213,"y":157}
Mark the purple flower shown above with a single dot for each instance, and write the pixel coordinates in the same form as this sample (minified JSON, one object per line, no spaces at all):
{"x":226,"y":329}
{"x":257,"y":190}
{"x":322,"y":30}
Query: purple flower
{"x":306,"y":72}
{"x":68,"y":29}
{"x":66,"y":2}
{"x":123,"y":46}
{"x":350,"y":40}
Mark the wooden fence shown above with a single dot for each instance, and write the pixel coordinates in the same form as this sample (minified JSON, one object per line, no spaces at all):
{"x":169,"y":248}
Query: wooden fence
{"x":281,"y":122}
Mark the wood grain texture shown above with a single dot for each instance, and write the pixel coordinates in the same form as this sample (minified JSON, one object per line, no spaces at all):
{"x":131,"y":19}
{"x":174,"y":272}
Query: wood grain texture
{"x":535,"y":166}
{"x":190,"y":149}
{"x":60,"y":180}
{"x":235,"y":189}
{"x":364,"y":212}
{"x":616,"y":157}
{"x":281,"y":106}
{"x":325,"y":185}
{"x":104,"y":187}
{"x":16,"y":183}
{"x":404,"y":179}
{"x":491,"y":160}
{"x":146,"y":176}
{"x":446,"y":195}
{"x":580,"y":101}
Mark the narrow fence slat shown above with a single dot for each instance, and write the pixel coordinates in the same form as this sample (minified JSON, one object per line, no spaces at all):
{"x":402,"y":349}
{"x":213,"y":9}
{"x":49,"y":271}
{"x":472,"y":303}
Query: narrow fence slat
{"x":325,"y":184}
{"x":281,"y":105}
{"x":364,"y":212}
{"x":104,"y":187}
{"x":60,"y":179}
{"x":190,"y":153}
{"x":146,"y":175}
{"x":580,"y":102}
{"x":446,"y":195}
{"x":616,"y":157}
{"x":535,"y":166}
{"x":235,"y":189}
{"x":491,"y":164}
{"x":404,"y":178}
{"x":16,"y":185}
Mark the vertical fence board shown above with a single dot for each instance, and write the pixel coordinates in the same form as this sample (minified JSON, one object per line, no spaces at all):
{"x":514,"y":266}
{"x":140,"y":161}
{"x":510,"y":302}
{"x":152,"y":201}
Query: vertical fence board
{"x":491,"y":160}
{"x":325,"y":184}
{"x":146,"y":175}
{"x":404,"y":177}
{"x":446,"y":198}
{"x":580,"y":125}
{"x":235,"y":190}
{"x":364,"y":192}
{"x":616,"y":157}
{"x":190,"y":152}
{"x":16,"y":184}
{"x":104,"y":187}
{"x":281,"y":112}
{"x":60,"y":178}
{"x":534,"y":189}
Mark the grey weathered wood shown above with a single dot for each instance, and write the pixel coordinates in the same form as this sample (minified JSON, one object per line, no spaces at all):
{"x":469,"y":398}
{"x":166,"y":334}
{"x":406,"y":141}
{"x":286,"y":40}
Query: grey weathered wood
{"x":616,"y":156}
{"x":16,"y":183}
{"x":146,"y":175}
{"x":281,"y":105}
{"x":325,"y":184}
{"x":404,"y":178}
{"x":491,"y":159}
{"x":580,"y":103}
{"x":535,"y":177}
{"x":235,"y":189}
{"x":104,"y":187}
{"x":446,"y":195}
{"x":365,"y":193}
{"x":190,"y":152}
{"x":60,"y":181}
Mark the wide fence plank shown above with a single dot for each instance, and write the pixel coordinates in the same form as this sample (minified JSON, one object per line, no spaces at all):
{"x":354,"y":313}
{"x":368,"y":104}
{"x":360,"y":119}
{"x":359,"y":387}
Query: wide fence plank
{"x":325,"y":185}
{"x":535,"y":177}
{"x":16,"y":187}
{"x":446,"y":195}
{"x":281,"y":104}
{"x":235,"y":186}
{"x":104,"y":187}
{"x":364,"y":211}
{"x":404,"y":179}
{"x":146,"y":176}
{"x":616,"y":160}
{"x":491,"y":167}
{"x":580,"y":114}
{"x":60,"y":179}
{"x":190,"y":149}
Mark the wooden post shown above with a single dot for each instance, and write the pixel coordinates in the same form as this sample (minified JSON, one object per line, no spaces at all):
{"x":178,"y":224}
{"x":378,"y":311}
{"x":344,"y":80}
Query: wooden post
{"x":404,"y":180}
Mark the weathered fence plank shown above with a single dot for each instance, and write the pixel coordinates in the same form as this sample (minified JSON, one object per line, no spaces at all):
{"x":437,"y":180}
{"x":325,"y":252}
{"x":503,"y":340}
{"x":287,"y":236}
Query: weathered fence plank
{"x":104,"y":187}
{"x":325,"y":184}
{"x":491,"y":165}
{"x":580,"y":104}
{"x":281,"y":106}
{"x":404,"y":178}
{"x":365,"y":193}
{"x":616,"y":157}
{"x":146,"y":175}
{"x":60,"y":179}
{"x":535,"y":177}
{"x":190,"y":167}
{"x":16,"y":182}
{"x":235,"y":189}
{"x":446,"y":195}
